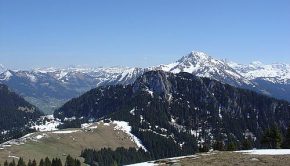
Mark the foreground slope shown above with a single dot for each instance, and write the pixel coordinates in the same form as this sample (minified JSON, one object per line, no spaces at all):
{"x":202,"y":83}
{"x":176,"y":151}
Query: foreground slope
{"x":172,"y":114}
{"x":218,"y":158}
{"x":61,"y":143}
{"x":15,"y":114}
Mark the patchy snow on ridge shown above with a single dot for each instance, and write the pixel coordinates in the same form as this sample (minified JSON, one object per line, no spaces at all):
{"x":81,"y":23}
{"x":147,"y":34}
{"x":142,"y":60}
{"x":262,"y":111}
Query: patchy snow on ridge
{"x":65,"y":132}
{"x":23,"y":140}
{"x":276,"y":73}
{"x":50,"y":125}
{"x":124,"y":126}
{"x":266,"y":151}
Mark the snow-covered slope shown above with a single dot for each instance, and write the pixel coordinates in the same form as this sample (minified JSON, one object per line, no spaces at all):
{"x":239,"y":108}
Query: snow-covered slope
{"x":275,"y":73}
{"x":273,"y":78}
{"x":203,"y":65}
{"x":2,"y":68}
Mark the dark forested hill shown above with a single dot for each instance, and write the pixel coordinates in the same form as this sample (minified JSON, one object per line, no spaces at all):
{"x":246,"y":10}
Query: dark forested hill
{"x":173,"y":114}
{"x":15,"y":114}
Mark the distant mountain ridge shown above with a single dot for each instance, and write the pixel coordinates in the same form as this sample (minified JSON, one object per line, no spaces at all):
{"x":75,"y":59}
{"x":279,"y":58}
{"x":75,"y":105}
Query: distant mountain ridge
{"x":49,"y":88}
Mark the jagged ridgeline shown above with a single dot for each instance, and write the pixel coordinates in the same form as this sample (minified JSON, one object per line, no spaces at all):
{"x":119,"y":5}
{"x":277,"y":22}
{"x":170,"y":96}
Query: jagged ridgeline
{"x":174,"y":113}
{"x":15,"y":114}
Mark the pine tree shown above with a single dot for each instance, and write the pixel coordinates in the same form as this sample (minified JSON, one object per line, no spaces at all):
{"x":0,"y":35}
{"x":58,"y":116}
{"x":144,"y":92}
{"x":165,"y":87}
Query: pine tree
{"x":21,"y":162}
{"x":69,"y":161}
{"x":218,"y":145}
{"x":231,"y":146}
{"x":34,"y":163}
{"x":271,"y":138}
{"x":29,"y":163}
{"x":12,"y":163}
{"x":41,"y":163}
{"x":6,"y":163}
{"x":205,"y":148}
{"x":47,"y":162}
{"x":247,"y":143}
{"x":286,"y":141}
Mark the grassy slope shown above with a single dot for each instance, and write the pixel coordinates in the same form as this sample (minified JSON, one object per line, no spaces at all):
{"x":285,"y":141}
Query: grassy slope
{"x":228,"y":158}
{"x":59,"y":145}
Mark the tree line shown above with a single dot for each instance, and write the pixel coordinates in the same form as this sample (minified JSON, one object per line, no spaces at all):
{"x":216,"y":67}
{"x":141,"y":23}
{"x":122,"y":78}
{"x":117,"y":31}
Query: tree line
{"x":272,"y":138}
{"x":70,"y":161}
{"x":109,"y":157}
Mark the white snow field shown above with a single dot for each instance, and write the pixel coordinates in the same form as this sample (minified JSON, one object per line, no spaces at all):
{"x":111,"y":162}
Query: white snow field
{"x":266,"y":151}
{"x":144,"y":164}
{"x":124,"y":126}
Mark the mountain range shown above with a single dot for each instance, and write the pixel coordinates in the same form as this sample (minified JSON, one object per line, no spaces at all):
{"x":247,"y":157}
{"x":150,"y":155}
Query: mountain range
{"x":174,"y":114}
{"x":49,"y":88}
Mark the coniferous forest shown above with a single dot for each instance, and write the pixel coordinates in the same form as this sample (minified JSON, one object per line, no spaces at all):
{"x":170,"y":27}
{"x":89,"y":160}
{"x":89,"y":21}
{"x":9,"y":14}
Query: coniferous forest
{"x":180,"y":114}
{"x":15,"y":115}
{"x":44,"y":162}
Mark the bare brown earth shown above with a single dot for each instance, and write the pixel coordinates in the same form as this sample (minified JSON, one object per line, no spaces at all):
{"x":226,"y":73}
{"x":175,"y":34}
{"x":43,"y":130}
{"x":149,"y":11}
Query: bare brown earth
{"x":60,"y":145}
{"x":228,"y":159}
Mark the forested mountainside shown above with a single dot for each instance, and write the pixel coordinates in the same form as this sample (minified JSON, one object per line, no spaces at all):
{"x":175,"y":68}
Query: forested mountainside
{"x":15,"y":114}
{"x":174,"y":114}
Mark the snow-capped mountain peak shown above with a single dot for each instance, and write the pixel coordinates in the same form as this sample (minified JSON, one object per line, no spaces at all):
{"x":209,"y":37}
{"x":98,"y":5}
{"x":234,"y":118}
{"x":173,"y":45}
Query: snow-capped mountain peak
{"x":195,"y":56}
{"x":6,"y":75}
{"x":2,"y":68}
{"x":203,"y":65}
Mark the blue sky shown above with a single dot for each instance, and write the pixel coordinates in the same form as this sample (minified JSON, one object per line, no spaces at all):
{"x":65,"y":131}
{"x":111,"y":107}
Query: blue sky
{"x":36,"y":33}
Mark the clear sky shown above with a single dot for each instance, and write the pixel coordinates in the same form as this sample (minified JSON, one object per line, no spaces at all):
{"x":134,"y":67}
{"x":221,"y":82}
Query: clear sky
{"x":36,"y":33}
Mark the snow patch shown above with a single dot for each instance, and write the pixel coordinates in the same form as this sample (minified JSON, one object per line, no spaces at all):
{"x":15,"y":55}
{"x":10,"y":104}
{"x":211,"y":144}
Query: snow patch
{"x":132,"y":112}
{"x":124,"y":126}
{"x":144,"y":164}
{"x":65,"y":132}
{"x":50,"y":125}
{"x":266,"y":152}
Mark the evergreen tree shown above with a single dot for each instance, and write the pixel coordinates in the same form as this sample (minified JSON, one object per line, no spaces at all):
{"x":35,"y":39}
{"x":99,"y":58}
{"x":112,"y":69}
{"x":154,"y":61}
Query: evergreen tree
{"x":41,"y":163}
{"x":231,"y":146}
{"x":21,"y":162}
{"x":218,"y":145}
{"x":12,"y":163}
{"x":271,"y":138}
{"x":29,"y":163}
{"x":205,"y":148}
{"x":6,"y":163}
{"x":286,"y":141}
{"x":34,"y":163}
{"x":47,"y":162}
{"x":70,"y":161}
{"x":247,"y":143}
{"x":56,"y":162}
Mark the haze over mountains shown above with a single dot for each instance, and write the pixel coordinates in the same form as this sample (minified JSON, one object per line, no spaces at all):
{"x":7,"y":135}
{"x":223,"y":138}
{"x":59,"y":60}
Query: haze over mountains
{"x":49,"y":88}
